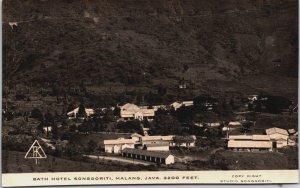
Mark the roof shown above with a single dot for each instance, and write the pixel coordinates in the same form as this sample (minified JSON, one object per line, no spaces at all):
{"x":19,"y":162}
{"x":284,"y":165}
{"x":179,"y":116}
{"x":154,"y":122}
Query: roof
{"x":249,"y":144}
{"x":249,"y":137}
{"x":276,"y":130}
{"x":175,"y":104}
{"x":119,"y":141}
{"x":88,"y":111}
{"x":129,"y":106}
{"x":188,"y":102}
{"x":190,"y":138}
{"x":158,"y":154}
{"x":157,"y":144}
{"x":234,"y":123}
{"x":261,"y":137}
{"x":292,"y":131}
{"x":240,"y":137}
{"x":178,"y":104}
{"x":157,"y":138}
{"x":132,"y":112}
{"x":135,"y":135}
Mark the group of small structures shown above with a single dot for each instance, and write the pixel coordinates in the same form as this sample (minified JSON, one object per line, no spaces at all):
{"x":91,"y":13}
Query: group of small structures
{"x":149,"y":148}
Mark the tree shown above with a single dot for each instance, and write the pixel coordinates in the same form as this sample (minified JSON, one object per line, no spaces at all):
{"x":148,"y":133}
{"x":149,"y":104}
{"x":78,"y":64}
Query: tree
{"x":117,"y":111}
{"x":81,"y":111}
{"x":150,"y":97}
{"x":40,"y":128}
{"x":70,"y":107}
{"x":165,"y":125}
{"x":185,"y":113}
{"x":161,"y":91}
{"x":86,"y":127}
{"x":130,"y":126}
{"x":201,"y":102}
{"x":232,"y":103}
{"x":49,"y":119}
{"x":183,"y":139}
{"x":92,"y":146}
{"x":108,"y":115}
{"x":54,"y":131}
{"x":246,"y":126}
{"x":37,"y":114}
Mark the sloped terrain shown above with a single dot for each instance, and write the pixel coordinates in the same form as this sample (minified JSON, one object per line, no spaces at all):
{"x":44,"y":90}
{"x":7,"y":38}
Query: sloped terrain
{"x":219,"y":46}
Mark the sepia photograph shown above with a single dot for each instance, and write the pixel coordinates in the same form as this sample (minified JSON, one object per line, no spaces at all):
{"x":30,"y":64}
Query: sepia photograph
{"x":149,"y":91}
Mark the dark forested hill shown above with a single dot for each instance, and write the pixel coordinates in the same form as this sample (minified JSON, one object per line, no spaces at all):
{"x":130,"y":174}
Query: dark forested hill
{"x":246,"y":46}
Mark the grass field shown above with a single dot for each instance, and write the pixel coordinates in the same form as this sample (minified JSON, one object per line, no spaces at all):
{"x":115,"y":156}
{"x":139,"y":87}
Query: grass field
{"x":14,"y":162}
{"x":284,"y":159}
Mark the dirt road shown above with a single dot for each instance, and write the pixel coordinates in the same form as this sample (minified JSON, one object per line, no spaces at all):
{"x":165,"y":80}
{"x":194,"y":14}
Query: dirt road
{"x":119,"y":159}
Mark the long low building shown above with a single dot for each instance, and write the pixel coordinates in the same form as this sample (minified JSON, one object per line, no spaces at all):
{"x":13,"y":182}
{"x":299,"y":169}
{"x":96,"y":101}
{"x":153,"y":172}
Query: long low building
{"x":250,"y":142}
{"x":172,"y":140}
{"x":151,"y":156}
{"x":157,"y":146}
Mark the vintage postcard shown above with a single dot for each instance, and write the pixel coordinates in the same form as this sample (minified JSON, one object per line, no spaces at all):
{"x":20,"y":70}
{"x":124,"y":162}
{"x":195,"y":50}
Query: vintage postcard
{"x":98,"y":92}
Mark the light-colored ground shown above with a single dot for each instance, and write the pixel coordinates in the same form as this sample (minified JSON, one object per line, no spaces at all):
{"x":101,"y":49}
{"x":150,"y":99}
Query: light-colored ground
{"x":119,"y":159}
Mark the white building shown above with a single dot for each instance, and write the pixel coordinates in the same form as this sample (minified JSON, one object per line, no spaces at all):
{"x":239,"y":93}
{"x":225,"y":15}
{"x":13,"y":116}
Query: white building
{"x":292,"y":131}
{"x":250,"y":142}
{"x":179,"y":104}
{"x":163,"y":146}
{"x":213,"y":124}
{"x":156,"y":139}
{"x":280,"y":136}
{"x":172,"y":140}
{"x":184,"y":141}
{"x":136,"y":137}
{"x":117,"y":145}
{"x":132,"y":111}
{"x":47,"y":129}
{"x":252,"y":98}
{"x":234,"y":123}
{"x":151,"y":156}
{"x":157,"y":107}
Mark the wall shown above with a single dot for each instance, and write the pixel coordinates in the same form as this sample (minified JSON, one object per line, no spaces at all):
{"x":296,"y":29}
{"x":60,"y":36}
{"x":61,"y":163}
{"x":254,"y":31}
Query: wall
{"x":158,"y":148}
{"x":170,"y":160}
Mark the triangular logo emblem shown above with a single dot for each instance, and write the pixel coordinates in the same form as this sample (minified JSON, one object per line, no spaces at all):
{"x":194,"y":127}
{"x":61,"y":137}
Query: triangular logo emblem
{"x":35,"y":151}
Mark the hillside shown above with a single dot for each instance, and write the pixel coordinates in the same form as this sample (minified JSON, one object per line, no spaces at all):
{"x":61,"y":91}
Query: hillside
{"x":220,"y":47}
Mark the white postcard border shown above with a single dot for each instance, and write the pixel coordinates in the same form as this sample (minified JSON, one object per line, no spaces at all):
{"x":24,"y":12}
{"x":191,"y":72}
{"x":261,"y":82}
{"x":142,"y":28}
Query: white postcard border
{"x":151,"y":177}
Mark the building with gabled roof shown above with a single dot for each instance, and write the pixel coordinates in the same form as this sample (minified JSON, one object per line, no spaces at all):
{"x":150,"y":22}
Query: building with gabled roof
{"x":156,"y":139}
{"x":280,"y":136}
{"x":179,"y":104}
{"x":276,"y":130}
{"x":136,"y":137}
{"x":117,"y":145}
{"x":131,"y":111}
{"x":250,"y":142}
{"x":129,"y":107}
{"x":151,"y":156}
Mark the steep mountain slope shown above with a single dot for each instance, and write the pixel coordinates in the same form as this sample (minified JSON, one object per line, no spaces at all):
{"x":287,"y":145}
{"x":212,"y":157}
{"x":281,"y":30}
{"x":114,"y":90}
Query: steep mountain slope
{"x":233,"y":44}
